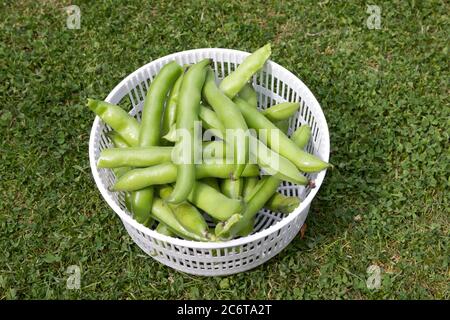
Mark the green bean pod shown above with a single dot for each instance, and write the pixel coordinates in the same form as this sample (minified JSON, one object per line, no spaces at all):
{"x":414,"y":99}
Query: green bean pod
{"x":249,"y":184}
{"x":150,"y":132}
{"x":277,"y":165}
{"x":268,"y":185}
{"x":232,"y":188}
{"x":187,"y":214}
{"x":281,"y":203}
{"x":166,"y":173}
{"x":187,"y":114}
{"x":170,"y":112}
{"x":231,"y":119}
{"x":248,"y":93}
{"x":281,"y":111}
{"x":214,"y":203}
{"x":118,"y":119}
{"x":162,"y":212}
{"x":165,"y":230}
{"x":302,"y":135}
{"x":134,"y":157}
{"x":154,"y":104}
{"x":279,"y":142}
{"x":235,"y":81}
{"x":140,"y":202}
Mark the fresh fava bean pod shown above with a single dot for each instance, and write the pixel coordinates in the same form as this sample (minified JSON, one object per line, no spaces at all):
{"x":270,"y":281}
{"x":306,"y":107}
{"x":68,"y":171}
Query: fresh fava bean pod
{"x":140,"y":202}
{"x":231,"y":118}
{"x":166,"y":173}
{"x":235,"y":81}
{"x":232,"y":188}
{"x":249,"y":184}
{"x":188,"y":216}
{"x":281,"y":111}
{"x":150,"y":131}
{"x":248,"y":93}
{"x":214,"y":203}
{"x":118,"y":119}
{"x":277,"y":165}
{"x":162,"y":212}
{"x":302,"y":135}
{"x":154,"y":104}
{"x":187,"y":114}
{"x":134,"y":157}
{"x":281,"y":203}
{"x":170,"y":112}
{"x":269,"y":185}
{"x":279,"y":142}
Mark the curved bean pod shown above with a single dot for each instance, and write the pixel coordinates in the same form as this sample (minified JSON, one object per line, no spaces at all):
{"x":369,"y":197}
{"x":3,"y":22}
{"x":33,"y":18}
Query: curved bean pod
{"x":187,"y":114}
{"x":281,"y":111}
{"x":214,"y":203}
{"x":188,"y":216}
{"x":154,"y":104}
{"x":302,"y":135}
{"x":231,"y":119}
{"x":268,"y":186}
{"x":277,"y":165}
{"x":162,"y":212}
{"x":236,"y":80}
{"x":232,"y":188}
{"x":170,"y":112}
{"x":249,"y":185}
{"x":279,"y":142}
{"x":118,"y":119}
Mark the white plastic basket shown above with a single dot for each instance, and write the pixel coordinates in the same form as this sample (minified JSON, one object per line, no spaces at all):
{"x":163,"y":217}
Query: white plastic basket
{"x":273,"y":231}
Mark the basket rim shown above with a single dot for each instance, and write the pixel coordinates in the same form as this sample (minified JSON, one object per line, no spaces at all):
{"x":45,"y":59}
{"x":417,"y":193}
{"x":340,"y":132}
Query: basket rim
{"x":197,"y":244}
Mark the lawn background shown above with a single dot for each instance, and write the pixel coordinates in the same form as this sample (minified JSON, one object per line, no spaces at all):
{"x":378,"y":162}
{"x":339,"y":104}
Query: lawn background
{"x":384,"y":93}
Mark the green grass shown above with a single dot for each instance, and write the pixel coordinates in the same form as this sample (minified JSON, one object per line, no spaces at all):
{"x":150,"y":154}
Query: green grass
{"x":384,"y":94}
